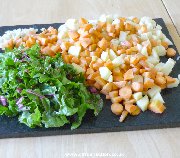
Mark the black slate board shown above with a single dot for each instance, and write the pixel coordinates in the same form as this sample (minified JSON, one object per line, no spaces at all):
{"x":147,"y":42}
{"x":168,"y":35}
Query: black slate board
{"x":106,"y":121}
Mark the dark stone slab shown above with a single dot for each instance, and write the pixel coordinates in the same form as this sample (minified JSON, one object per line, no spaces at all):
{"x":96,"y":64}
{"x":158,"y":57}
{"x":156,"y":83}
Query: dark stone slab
{"x":106,"y":121}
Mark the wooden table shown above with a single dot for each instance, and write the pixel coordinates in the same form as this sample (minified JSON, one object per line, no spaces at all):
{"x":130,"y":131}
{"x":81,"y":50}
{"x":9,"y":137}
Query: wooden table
{"x":163,"y":143}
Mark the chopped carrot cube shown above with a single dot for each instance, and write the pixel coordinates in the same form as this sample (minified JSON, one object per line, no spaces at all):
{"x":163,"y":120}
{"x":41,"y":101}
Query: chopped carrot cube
{"x":129,"y":75}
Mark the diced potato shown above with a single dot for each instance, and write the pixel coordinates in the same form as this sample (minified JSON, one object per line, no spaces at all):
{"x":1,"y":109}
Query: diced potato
{"x":158,"y":96}
{"x":137,"y":78}
{"x":156,"y":106}
{"x":112,"y":55}
{"x":160,"y":50}
{"x":118,"y":61}
{"x":105,"y":56}
{"x":110,"y":79}
{"x":74,"y":50}
{"x":144,"y":51}
{"x":159,"y":66}
{"x":94,"y":58}
{"x":137,"y":96}
{"x":72,"y":24}
{"x":153,"y":60}
{"x":168,"y":66}
{"x":105,"y":73}
{"x":175,"y":84}
{"x":143,"y":103}
{"x":122,"y":36}
{"x":155,"y":55}
{"x":151,"y":92}
{"x":139,"y":47}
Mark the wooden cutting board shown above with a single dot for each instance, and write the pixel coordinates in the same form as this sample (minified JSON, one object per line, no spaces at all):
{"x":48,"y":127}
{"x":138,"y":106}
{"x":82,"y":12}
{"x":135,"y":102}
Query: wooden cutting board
{"x":105,"y":121}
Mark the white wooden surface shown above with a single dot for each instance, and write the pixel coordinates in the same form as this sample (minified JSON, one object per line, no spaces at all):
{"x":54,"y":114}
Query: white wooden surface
{"x":163,"y":143}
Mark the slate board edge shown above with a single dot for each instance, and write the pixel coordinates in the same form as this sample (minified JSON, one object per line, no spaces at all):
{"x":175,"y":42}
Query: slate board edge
{"x":88,"y":130}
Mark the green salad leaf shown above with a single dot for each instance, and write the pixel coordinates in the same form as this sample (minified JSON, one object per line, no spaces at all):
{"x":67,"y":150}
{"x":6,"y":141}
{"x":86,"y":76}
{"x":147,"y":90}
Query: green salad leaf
{"x":43,"y":91}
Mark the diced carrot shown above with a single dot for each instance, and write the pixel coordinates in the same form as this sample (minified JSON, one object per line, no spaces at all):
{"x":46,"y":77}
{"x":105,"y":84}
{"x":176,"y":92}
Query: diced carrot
{"x":123,"y":116}
{"x":92,"y":47}
{"x":148,"y":83}
{"x":88,"y":60}
{"x":141,"y":71}
{"x":125,"y":92}
{"x":107,"y":88}
{"x":99,"y":80}
{"x":156,"y":106}
{"x":117,"y":78}
{"x":128,"y":27}
{"x":85,"y":42}
{"x":109,"y":65}
{"x":134,"y":60}
{"x":84,"y":34}
{"x":114,"y":87}
{"x":120,"y":84}
{"x":153,"y":42}
{"x":131,"y":101}
{"x":160,"y":80}
{"x":83,"y":21}
{"x":89,"y":71}
{"x":65,"y":45}
{"x":83,"y":61}
{"x":137,"y":86}
{"x":132,"y":109}
{"x":108,"y":97}
{"x":93,"y":76}
{"x":128,"y":75}
{"x":171,"y":52}
{"x":103,"y":44}
{"x":113,"y":94}
{"x":135,"y":20}
{"x":164,"y":44}
{"x":116,"y":71}
{"x":169,"y":79}
{"x":116,"y":99}
{"x":144,"y":28}
{"x":48,"y":51}
{"x":117,"y":108}
{"x":110,"y":28}
{"x":56,"y":48}
{"x":73,"y":34}
{"x":75,"y":60}
{"x":97,"y":85}
{"x":97,"y":65}
{"x":30,"y":42}
{"x":121,"y":51}
{"x":18,"y":42}
{"x":144,"y":64}
{"x":87,"y":27}
{"x":135,"y":70}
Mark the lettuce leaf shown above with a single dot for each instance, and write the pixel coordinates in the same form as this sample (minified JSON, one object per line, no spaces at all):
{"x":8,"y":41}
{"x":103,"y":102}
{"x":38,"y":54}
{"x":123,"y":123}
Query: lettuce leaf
{"x":53,"y":92}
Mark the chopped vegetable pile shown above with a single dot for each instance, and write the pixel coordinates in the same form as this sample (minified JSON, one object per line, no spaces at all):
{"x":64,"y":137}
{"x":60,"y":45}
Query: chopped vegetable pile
{"x":118,"y":56}
{"x":43,"y":91}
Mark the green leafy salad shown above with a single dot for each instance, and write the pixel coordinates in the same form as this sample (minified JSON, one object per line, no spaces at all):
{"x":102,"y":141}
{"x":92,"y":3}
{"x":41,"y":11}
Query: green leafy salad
{"x":43,"y":91}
